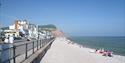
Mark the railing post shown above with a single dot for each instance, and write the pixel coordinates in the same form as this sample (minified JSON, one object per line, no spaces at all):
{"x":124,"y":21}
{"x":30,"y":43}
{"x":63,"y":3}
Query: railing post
{"x":37,"y":44}
{"x":33,"y":46}
{"x":26,"y":51}
{"x":40,"y":43}
{"x":44,"y":42}
{"x":14,"y":54}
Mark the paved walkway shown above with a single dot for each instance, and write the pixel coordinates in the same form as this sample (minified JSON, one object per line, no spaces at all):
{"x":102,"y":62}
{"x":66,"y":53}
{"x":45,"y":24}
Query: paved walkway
{"x":61,"y":52}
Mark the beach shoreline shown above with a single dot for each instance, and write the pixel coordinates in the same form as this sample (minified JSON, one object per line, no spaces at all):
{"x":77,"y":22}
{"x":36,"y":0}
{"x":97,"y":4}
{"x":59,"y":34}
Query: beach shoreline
{"x":82,"y":46}
{"x":75,"y":53}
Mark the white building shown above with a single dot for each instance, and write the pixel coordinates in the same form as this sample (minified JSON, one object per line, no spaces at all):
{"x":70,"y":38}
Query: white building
{"x":11,"y":32}
{"x":29,"y":30}
{"x":33,"y":33}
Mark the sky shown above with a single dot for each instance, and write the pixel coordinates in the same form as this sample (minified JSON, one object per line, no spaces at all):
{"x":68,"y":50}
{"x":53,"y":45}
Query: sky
{"x":73,"y":17}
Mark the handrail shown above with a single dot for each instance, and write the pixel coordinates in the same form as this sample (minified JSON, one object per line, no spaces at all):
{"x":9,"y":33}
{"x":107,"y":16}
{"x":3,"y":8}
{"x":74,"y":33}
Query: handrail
{"x":35,"y":44}
{"x":36,"y":57}
{"x":14,"y":45}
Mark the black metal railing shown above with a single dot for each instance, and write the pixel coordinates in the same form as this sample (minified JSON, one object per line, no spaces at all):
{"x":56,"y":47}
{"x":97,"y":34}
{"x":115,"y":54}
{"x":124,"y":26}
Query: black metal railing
{"x":23,"y":51}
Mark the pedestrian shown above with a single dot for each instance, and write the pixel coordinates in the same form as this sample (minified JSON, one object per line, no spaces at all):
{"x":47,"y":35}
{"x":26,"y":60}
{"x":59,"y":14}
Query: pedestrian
{"x":11,"y":39}
{"x":11,"y":45}
{"x":6,"y":40}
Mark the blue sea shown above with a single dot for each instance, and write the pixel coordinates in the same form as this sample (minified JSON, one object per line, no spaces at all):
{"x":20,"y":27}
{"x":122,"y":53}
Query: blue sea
{"x":115,"y":44}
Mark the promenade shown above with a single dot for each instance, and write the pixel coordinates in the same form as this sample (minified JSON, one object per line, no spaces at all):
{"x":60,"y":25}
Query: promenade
{"x":63,"y":51}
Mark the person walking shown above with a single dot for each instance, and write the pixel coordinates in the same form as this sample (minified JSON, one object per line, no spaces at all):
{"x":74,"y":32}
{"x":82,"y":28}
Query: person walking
{"x":11,"y":39}
{"x":6,"y":40}
{"x":8,"y":43}
{"x":11,"y":44}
